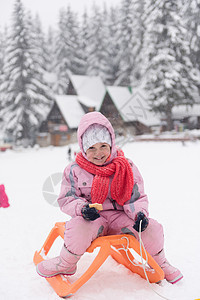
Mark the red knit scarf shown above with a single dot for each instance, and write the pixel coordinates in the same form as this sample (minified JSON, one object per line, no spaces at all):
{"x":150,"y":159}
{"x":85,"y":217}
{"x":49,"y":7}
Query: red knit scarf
{"x":122,"y":183}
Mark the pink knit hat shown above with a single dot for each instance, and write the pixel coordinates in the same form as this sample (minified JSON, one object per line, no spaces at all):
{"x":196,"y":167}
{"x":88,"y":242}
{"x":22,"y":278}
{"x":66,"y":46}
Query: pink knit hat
{"x":95,"y":133}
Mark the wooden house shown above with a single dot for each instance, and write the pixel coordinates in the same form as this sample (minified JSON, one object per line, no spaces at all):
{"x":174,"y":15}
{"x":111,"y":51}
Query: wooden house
{"x":186,"y":116}
{"x":89,"y":89}
{"x":84,"y":94}
{"x":128,"y":111}
{"x":61,"y":124}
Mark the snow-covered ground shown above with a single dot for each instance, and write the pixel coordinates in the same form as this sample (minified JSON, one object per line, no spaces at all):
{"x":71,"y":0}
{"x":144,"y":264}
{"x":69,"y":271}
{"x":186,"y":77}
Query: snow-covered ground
{"x":171,"y":172}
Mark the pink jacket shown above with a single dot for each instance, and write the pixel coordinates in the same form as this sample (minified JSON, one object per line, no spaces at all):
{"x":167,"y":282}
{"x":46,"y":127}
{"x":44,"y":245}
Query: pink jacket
{"x":76,"y":184}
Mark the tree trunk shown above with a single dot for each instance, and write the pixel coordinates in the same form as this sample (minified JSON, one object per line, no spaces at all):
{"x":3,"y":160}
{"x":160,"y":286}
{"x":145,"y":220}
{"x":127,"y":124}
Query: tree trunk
{"x":170,"y":124}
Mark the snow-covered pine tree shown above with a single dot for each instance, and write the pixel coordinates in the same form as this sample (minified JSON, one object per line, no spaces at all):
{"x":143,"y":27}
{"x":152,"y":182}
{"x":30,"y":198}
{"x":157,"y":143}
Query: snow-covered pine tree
{"x":192,"y":20}
{"x":97,"y":64}
{"x":2,"y":59}
{"x":50,"y":49}
{"x":68,"y":54}
{"x":139,"y":16}
{"x":109,"y":62}
{"x":40,"y":42}
{"x":44,"y":48}
{"x":77,"y":63}
{"x":83,"y":41}
{"x":62,"y":61}
{"x":1,"y":54}
{"x":170,"y":76}
{"x":26,"y":97}
{"x":62,"y":53}
{"x":1,"y":68}
{"x":113,"y":45}
{"x":80,"y":46}
{"x":50,"y":70}
{"x":128,"y":43}
{"x":110,"y":44}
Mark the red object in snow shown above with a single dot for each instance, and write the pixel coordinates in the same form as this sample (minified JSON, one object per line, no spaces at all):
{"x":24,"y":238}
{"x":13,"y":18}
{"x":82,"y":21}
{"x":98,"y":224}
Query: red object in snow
{"x":4,"y":147}
{"x":3,"y":197}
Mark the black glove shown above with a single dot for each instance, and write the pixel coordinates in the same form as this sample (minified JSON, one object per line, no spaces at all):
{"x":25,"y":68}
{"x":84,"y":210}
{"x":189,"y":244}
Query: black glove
{"x":145,"y":221}
{"x":89,"y":213}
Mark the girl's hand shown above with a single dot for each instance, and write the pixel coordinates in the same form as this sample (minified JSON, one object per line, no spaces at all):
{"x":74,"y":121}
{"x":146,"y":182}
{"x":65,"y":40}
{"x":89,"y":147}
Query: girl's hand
{"x":145,"y":221}
{"x":89,"y":213}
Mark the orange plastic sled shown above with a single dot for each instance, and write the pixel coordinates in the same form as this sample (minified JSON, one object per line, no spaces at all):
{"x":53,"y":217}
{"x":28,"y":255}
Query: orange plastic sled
{"x":113,"y":245}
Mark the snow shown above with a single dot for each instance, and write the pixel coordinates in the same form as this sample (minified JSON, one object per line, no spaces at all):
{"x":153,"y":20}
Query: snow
{"x":87,"y":101}
{"x":89,"y":87}
{"x":133,"y":106}
{"x":70,"y":109}
{"x":171,"y":173}
{"x":185,"y":111}
{"x":120,"y":96}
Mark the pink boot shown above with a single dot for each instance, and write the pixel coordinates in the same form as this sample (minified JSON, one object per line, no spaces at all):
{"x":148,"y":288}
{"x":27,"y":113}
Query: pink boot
{"x":172,"y":274}
{"x":63,"y":264}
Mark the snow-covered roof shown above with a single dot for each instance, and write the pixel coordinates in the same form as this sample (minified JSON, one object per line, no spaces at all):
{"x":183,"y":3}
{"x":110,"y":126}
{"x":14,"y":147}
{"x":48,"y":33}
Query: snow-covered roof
{"x":70,"y":109}
{"x":86,"y":101}
{"x":90,"y":88}
{"x":132,"y":106}
{"x":184,"y":111}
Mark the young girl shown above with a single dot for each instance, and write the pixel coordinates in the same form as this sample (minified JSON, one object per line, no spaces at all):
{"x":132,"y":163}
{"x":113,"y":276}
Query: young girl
{"x":101,"y":174}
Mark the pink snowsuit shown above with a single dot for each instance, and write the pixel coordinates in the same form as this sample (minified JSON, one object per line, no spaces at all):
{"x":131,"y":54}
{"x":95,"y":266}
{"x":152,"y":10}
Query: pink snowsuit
{"x":114,"y":219}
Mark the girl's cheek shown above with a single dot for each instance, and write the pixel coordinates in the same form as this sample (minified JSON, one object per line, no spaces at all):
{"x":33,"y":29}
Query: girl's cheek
{"x":89,"y":156}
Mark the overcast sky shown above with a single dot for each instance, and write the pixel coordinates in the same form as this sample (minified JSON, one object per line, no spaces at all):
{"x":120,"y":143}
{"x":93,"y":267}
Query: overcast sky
{"x":48,"y":10}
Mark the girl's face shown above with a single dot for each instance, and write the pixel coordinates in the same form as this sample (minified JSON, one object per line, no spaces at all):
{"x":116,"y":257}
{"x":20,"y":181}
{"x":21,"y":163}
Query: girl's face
{"x":98,"y":153}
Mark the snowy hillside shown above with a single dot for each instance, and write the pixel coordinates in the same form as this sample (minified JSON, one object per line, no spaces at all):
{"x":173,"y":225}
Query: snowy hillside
{"x":171,"y":173}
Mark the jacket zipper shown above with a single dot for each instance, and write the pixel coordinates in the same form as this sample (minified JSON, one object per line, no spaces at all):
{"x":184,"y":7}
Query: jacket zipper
{"x":114,"y":204}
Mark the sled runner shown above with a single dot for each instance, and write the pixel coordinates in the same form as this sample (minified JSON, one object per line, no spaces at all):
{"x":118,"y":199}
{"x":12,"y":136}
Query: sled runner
{"x":118,"y":246}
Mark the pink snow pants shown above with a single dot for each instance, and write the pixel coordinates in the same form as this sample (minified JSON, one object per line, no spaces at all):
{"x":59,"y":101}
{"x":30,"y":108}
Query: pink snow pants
{"x":80,"y":233}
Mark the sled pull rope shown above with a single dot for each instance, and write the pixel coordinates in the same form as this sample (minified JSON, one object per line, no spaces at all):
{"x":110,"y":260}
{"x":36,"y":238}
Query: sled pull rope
{"x":143,"y":265}
{"x":142,"y":245}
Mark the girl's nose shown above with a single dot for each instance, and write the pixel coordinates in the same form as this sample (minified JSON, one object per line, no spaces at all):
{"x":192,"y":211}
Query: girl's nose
{"x":98,"y":152}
